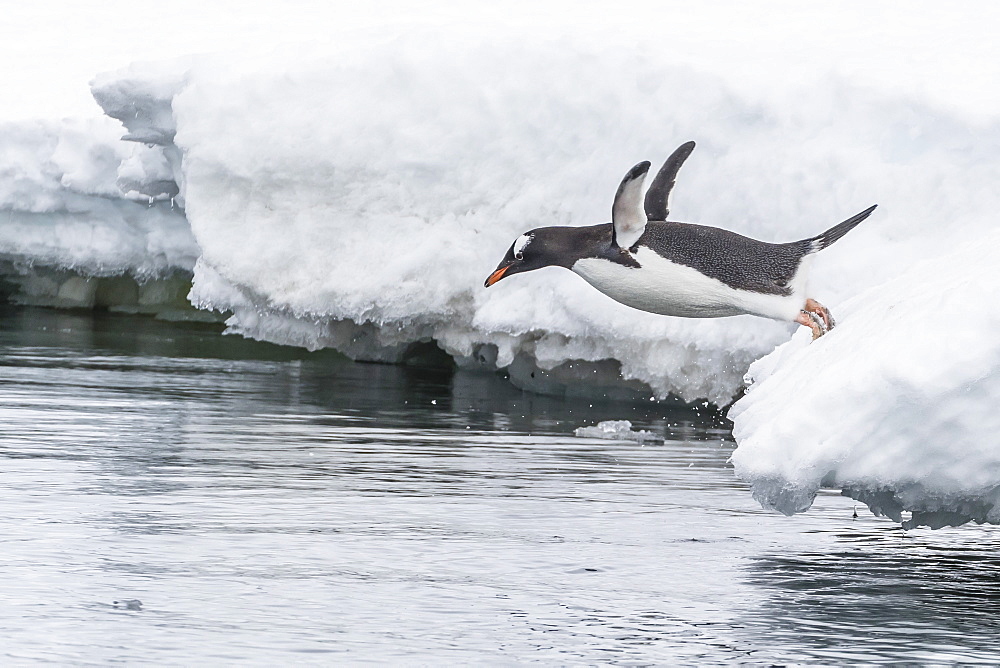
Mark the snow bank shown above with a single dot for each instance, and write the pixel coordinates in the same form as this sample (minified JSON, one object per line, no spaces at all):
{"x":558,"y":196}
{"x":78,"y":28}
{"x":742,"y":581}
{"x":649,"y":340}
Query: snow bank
{"x":70,"y":236}
{"x":897,"y":406}
{"x":357,"y":199}
{"x":356,"y":196}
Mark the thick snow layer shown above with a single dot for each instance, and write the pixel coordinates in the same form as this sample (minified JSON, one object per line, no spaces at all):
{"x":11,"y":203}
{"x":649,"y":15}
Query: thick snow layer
{"x":87,"y":220}
{"x":356,"y":196}
{"x":897,"y":406}
{"x":357,"y":199}
{"x":61,"y":205}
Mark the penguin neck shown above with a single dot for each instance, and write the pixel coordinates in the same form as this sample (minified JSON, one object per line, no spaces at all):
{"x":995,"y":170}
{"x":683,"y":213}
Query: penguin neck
{"x":594,"y":242}
{"x":572,"y":244}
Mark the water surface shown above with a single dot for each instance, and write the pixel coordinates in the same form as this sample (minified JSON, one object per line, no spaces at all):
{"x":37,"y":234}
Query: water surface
{"x":173,"y":496}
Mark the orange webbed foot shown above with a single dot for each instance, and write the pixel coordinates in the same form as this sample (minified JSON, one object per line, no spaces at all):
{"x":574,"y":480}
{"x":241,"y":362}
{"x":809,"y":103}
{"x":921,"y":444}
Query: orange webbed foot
{"x":816,"y":317}
{"x":823,"y":312}
{"x":813,"y":322}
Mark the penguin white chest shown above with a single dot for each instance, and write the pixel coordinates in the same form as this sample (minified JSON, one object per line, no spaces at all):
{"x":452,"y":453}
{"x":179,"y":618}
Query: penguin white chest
{"x":667,"y":288}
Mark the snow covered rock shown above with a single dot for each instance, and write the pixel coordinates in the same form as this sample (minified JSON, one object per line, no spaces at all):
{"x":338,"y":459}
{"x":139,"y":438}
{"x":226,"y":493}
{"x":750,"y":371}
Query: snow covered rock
{"x":897,"y":406}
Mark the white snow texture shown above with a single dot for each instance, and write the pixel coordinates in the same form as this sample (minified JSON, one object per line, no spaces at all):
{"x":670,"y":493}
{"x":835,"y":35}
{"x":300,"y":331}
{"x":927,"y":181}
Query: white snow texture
{"x":65,"y":223}
{"x":357,"y":197}
{"x":897,"y":406}
{"x":63,"y":205}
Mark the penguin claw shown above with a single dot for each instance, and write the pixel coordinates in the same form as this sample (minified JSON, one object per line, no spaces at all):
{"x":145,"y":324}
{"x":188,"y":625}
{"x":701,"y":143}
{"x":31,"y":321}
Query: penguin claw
{"x":814,"y":322}
{"x":820,"y":325}
{"x":823,"y":312}
{"x":819,"y":317}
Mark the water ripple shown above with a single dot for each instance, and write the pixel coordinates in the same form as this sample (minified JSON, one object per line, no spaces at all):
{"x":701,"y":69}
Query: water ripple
{"x":171,"y":496}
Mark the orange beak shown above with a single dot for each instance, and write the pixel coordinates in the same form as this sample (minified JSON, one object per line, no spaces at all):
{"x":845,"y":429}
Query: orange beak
{"x":497,"y":275}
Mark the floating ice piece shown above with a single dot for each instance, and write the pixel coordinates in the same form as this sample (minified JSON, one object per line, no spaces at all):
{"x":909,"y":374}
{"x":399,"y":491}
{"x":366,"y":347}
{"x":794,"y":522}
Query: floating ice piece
{"x":616,"y":430}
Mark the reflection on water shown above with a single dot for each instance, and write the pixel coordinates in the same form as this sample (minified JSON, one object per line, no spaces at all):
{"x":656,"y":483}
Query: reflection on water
{"x":171,"y":495}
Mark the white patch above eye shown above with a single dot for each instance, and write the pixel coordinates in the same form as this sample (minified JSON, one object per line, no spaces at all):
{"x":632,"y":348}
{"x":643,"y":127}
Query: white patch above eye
{"x":520,"y":243}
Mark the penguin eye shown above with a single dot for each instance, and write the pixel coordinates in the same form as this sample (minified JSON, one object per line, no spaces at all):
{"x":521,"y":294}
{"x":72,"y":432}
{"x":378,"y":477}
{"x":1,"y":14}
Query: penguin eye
{"x":518,"y":255}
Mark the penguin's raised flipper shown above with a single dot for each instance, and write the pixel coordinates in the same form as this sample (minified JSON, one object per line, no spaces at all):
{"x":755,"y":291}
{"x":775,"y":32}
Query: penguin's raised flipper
{"x":626,"y":212}
{"x":658,"y":196}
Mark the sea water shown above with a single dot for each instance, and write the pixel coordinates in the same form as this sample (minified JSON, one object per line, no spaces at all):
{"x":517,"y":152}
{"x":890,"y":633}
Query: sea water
{"x":173,"y":496}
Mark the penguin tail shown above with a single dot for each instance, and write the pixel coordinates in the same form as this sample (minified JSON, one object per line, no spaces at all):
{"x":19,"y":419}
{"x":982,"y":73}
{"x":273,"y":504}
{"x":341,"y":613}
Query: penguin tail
{"x":821,"y":241}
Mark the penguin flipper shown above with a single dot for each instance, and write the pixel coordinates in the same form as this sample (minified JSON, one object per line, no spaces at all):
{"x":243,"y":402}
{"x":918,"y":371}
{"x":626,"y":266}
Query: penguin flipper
{"x":626,"y":212}
{"x":658,"y":195}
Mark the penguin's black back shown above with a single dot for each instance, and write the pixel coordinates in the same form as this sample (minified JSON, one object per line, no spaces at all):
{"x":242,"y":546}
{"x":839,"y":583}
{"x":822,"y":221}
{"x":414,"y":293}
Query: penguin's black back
{"x":740,"y":262}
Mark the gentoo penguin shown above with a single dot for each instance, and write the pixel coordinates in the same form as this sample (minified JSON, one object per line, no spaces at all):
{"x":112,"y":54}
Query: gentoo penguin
{"x":679,"y":269}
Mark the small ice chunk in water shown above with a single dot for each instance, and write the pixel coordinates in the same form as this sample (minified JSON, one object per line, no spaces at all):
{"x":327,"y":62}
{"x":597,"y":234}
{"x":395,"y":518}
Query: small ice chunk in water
{"x":616,"y":430}
{"x":128,"y":604}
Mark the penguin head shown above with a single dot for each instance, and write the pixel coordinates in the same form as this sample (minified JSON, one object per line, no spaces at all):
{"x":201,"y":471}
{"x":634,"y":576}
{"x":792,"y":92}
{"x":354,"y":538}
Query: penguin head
{"x":542,"y":247}
{"x":563,"y":246}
